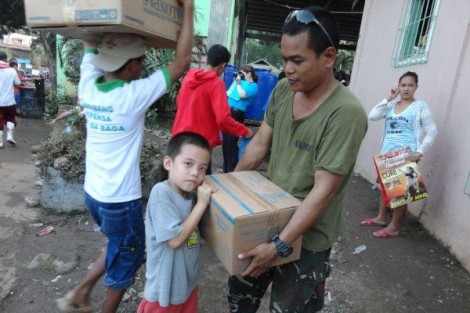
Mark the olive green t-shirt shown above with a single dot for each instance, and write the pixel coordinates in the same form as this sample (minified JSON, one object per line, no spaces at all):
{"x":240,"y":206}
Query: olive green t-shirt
{"x":327,"y":139}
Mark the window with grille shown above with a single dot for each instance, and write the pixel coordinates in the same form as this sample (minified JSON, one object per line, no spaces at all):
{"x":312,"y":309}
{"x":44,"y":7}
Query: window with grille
{"x":415,"y":32}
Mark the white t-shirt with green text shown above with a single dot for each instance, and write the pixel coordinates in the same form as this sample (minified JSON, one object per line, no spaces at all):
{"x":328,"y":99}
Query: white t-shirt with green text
{"x":115,"y":114}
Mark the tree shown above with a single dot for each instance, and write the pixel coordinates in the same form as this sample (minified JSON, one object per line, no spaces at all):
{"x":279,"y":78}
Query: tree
{"x":70,"y":54}
{"x":12,"y":16}
{"x":344,"y":60}
{"x":38,"y":56}
{"x":259,"y":49}
{"x":48,"y":42}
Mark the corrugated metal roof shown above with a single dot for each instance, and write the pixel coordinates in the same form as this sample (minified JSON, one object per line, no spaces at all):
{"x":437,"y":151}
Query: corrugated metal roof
{"x":269,"y":15}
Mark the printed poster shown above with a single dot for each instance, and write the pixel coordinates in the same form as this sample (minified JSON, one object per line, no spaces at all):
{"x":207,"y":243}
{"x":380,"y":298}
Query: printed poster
{"x":399,"y":178}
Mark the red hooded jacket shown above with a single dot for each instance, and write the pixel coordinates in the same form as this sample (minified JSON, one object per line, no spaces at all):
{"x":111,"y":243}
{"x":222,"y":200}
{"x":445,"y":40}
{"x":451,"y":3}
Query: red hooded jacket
{"x":203,"y":108}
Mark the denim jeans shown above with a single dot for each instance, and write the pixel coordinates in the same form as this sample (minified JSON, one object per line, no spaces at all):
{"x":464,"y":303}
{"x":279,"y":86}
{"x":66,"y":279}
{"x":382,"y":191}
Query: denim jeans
{"x":123,"y":225}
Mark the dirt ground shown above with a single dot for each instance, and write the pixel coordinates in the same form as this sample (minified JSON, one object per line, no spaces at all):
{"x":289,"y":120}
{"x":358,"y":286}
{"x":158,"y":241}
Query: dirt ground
{"x":411,"y":273}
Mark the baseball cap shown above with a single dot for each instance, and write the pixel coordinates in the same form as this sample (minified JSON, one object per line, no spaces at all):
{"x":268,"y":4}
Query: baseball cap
{"x":117,"y":49}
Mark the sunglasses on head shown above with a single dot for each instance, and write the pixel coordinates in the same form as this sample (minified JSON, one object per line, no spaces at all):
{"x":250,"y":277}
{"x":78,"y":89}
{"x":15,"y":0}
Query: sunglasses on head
{"x":306,"y":17}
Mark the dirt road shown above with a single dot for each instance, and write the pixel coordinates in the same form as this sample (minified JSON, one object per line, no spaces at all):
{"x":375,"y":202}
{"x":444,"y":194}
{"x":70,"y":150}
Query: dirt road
{"x":412,"y":273}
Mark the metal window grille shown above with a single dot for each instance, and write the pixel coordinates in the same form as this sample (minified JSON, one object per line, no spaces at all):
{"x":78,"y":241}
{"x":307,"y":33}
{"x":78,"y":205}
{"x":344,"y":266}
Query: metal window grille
{"x":415,"y":32}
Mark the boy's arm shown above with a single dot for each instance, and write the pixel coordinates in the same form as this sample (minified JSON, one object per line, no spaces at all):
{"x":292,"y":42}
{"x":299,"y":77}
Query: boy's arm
{"x":184,"y":47}
{"x":59,"y":117}
{"x":203,"y":194}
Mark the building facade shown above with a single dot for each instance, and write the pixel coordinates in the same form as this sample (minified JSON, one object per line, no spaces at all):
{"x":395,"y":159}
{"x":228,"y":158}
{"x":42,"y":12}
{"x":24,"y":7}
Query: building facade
{"x":431,"y":38}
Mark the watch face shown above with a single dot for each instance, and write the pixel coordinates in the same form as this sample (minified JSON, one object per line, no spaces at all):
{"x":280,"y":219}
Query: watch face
{"x":286,"y":252}
{"x":283,"y":250}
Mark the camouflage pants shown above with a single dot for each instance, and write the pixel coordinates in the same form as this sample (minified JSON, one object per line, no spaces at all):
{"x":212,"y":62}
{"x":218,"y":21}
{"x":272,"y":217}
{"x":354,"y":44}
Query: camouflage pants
{"x":297,"y":287}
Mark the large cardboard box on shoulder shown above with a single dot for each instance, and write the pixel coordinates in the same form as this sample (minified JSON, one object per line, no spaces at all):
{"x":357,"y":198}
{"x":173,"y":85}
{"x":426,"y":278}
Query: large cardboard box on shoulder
{"x":246,"y":210}
{"x":158,"y":21}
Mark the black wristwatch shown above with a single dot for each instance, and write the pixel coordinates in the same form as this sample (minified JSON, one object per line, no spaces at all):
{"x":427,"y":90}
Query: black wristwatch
{"x":283,"y":249}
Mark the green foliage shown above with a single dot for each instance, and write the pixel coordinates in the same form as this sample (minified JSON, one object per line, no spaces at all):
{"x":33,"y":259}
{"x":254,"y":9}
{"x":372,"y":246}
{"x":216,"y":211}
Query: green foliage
{"x":154,"y":60}
{"x":53,"y":99}
{"x":70,"y":53}
{"x":12,"y":16}
{"x":71,"y":146}
{"x":150,"y":155}
{"x":151,"y":119}
{"x":75,"y":117}
{"x":38,"y":56}
{"x":344,"y":60}
{"x":259,"y":49}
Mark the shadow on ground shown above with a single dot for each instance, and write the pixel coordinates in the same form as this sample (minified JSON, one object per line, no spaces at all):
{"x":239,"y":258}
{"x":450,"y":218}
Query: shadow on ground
{"x":411,"y":273}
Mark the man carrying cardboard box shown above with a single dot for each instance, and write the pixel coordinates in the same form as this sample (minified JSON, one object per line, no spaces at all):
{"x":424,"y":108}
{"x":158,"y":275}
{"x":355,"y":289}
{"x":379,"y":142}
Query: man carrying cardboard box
{"x":314,"y":127}
{"x":114,"y":100}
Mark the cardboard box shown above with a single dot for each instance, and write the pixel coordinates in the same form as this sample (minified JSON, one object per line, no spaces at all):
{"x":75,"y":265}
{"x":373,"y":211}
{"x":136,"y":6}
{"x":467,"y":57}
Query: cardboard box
{"x":159,"y":21}
{"x":247,"y":210}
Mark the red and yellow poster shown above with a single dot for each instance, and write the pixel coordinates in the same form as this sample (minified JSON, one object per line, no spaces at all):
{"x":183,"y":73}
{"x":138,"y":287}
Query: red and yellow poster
{"x":399,"y":178}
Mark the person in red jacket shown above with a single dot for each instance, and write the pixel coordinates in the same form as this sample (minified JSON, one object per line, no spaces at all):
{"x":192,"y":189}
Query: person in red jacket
{"x":202,"y":105}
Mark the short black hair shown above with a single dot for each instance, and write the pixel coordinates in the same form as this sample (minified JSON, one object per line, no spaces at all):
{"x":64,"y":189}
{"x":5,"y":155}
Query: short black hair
{"x":13,"y":64}
{"x":3,"y":55}
{"x":190,"y":138}
{"x":318,"y":41}
{"x":217,"y":54}
{"x":410,"y":74}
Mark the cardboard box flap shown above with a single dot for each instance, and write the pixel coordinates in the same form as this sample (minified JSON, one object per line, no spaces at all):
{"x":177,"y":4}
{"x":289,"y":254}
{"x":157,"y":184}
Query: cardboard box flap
{"x":158,"y":21}
{"x":71,"y":12}
{"x":247,"y":210}
{"x":260,"y":194}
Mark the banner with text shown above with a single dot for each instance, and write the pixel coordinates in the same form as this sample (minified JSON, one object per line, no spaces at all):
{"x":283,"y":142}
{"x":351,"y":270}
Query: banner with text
{"x":399,"y":178}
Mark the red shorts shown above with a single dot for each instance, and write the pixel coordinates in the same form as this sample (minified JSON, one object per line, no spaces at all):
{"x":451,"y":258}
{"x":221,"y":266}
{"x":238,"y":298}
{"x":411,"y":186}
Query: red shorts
{"x":7,"y":114}
{"x":190,"y":306}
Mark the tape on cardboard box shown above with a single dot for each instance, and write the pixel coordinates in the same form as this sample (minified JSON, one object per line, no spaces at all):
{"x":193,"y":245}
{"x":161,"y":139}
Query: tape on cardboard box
{"x":247,"y":210}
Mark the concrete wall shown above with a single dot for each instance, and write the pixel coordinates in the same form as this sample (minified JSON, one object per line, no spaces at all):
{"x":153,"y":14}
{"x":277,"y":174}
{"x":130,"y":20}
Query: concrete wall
{"x":443,"y":84}
{"x":220,"y":22}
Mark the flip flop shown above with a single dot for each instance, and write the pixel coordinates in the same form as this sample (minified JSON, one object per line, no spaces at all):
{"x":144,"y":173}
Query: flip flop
{"x":371,"y":222}
{"x":65,"y":305}
{"x":383,"y":233}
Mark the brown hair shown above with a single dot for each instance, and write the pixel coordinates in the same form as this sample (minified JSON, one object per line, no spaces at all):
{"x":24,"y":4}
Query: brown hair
{"x":248,"y":68}
{"x":410,"y":74}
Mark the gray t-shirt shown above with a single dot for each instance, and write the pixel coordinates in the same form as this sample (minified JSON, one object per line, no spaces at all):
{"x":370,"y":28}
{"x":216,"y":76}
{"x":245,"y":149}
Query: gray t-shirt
{"x":171,"y":273}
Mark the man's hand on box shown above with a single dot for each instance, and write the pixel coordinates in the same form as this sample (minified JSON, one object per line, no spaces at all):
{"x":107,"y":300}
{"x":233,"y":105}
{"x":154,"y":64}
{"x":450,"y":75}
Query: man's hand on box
{"x":263,"y":256}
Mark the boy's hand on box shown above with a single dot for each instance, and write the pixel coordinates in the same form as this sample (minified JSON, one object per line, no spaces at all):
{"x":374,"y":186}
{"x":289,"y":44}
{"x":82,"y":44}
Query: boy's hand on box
{"x":204,"y":193}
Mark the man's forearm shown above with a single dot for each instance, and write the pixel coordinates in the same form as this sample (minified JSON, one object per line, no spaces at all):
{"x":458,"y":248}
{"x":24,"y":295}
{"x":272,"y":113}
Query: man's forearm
{"x":252,"y":157}
{"x":312,"y":207}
